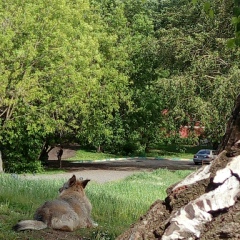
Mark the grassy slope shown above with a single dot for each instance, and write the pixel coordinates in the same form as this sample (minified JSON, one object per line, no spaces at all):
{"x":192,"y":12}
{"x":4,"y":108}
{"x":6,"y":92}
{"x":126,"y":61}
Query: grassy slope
{"x":115,"y":205}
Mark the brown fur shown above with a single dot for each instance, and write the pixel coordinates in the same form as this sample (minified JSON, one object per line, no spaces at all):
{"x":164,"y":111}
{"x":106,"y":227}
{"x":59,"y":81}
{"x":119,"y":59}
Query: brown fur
{"x":70,"y":211}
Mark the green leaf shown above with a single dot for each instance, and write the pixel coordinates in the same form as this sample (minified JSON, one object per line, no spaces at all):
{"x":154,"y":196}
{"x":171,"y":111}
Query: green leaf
{"x":231,"y":43}
{"x":235,"y":20}
{"x":236,"y":11}
{"x":207,"y":6}
{"x":211,"y":13}
{"x":237,"y":41}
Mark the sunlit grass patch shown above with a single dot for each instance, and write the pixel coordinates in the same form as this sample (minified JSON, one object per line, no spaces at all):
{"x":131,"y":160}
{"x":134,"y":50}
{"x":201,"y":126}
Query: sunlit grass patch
{"x":92,"y":155}
{"x":162,"y":151}
{"x":116,"y":205}
{"x":171,"y":151}
{"x":119,"y":204}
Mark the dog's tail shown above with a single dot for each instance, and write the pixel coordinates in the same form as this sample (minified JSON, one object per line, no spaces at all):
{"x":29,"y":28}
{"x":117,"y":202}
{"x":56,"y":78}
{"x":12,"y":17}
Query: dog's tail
{"x":29,"y":224}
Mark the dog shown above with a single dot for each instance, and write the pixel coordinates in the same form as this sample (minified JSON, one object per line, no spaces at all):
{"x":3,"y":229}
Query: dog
{"x":70,"y":211}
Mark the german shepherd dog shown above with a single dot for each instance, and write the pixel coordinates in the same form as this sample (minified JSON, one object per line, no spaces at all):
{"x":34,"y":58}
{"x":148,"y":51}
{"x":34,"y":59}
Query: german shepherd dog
{"x":70,"y":211}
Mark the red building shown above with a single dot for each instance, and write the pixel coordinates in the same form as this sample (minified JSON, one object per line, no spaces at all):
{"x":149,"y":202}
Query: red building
{"x":185,"y":131}
{"x":197,"y":130}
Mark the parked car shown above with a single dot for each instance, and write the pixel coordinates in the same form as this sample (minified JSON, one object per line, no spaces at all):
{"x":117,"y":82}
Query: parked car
{"x":204,"y":156}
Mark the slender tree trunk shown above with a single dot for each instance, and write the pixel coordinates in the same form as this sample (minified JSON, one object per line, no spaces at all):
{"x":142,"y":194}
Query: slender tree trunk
{"x":99,"y":149}
{"x":1,"y":163}
{"x":60,"y":163}
{"x":43,"y":156}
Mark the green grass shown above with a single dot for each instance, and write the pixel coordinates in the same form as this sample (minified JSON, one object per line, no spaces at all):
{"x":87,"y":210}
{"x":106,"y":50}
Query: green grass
{"x":175,"y":151}
{"x":53,"y":171}
{"x":116,"y":205}
{"x":92,"y":155}
{"x":162,"y":151}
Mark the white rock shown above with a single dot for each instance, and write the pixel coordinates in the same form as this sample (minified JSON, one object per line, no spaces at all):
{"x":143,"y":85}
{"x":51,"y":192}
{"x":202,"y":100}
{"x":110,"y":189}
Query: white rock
{"x":192,"y":216}
{"x":232,"y":167}
{"x":200,"y":174}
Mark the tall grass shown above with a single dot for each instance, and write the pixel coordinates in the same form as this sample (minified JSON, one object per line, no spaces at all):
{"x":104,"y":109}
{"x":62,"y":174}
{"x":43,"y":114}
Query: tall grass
{"x":20,"y":198}
{"x":116,"y":205}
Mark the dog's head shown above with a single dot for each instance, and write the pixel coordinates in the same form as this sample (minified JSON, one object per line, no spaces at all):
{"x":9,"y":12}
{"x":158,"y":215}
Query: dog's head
{"x":74,"y":184}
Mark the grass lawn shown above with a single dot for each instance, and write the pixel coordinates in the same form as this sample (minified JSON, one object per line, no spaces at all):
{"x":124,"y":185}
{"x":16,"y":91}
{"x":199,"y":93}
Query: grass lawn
{"x":116,"y":205}
{"x":174,"y":151}
{"x":162,"y":151}
{"x":92,"y":155}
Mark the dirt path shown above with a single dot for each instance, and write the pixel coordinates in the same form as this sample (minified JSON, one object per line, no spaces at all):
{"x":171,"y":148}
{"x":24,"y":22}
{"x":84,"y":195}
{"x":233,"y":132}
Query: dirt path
{"x":105,"y":171}
{"x":99,"y":176}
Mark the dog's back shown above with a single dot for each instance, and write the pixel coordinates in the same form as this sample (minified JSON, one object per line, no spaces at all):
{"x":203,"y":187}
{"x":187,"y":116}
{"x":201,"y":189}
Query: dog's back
{"x":70,"y":211}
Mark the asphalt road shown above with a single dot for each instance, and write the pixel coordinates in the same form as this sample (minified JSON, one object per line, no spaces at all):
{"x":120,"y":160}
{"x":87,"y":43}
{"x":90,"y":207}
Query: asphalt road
{"x":129,"y":164}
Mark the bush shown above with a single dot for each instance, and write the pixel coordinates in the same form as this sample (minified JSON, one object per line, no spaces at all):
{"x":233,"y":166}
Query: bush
{"x":23,"y":167}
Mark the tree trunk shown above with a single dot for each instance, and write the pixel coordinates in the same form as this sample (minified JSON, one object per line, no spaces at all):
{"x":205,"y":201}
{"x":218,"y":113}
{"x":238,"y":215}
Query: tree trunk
{"x":206,"y":204}
{"x":1,"y":163}
{"x":60,"y":163}
{"x":46,"y":148}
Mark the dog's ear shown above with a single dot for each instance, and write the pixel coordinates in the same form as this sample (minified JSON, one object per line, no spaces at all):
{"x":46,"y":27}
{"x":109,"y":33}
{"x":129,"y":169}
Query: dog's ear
{"x":72,"y":181}
{"x":85,"y":182}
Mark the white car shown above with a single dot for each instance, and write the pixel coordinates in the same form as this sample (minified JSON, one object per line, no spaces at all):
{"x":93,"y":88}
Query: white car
{"x":204,"y":155}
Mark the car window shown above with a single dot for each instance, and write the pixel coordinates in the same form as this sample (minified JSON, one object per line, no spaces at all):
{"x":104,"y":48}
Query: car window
{"x":214,"y":152}
{"x":204,"y":152}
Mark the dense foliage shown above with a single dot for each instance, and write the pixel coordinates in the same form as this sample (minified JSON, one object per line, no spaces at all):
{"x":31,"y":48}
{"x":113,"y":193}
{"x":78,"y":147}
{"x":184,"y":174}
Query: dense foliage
{"x":115,"y":75}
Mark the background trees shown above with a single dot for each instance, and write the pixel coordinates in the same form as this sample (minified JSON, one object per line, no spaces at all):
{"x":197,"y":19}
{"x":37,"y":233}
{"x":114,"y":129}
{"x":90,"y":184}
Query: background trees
{"x":102,"y":73}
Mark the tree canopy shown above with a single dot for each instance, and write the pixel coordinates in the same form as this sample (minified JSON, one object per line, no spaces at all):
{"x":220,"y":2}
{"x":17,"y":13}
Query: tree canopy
{"x":102,"y":73}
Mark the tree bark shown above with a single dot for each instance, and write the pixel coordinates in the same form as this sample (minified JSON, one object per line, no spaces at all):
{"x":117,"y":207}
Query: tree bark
{"x":206,"y":204}
{"x":43,"y":156}
{"x":1,"y":163}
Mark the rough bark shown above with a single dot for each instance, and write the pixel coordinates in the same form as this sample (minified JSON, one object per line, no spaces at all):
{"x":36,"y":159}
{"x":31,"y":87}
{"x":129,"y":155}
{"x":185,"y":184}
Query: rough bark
{"x":1,"y":163}
{"x":206,"y":204}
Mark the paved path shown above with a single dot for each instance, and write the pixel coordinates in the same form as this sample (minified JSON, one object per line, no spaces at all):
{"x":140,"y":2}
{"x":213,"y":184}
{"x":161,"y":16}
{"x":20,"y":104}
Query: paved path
{"x":128,"y":164}
{"x":105,"y":171}
{"x":99,"y":176}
